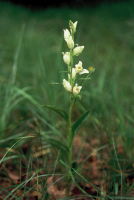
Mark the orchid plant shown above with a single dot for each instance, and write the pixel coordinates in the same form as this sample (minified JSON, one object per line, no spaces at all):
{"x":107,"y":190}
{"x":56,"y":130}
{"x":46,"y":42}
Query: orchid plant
{"x":71,"y":85}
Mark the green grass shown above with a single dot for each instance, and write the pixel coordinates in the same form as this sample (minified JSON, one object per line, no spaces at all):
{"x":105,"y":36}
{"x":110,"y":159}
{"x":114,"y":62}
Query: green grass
{"x":30,"y":59}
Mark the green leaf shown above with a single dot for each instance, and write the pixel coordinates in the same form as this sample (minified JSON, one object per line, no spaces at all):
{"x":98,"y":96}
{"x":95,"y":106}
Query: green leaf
{"x":79,"y":96}
{"x":53,"y":83}
{"x":59,"y":145}
{"x":10,"y":157}
{"x":64,"y":151}
{"x":60,"y":111}
{"x":83,"y":78}
{"x":79,"y":122}
{"x":63,"y":71}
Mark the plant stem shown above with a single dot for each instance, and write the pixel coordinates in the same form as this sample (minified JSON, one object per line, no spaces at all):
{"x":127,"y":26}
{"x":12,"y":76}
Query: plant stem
{"x":70,"y":126}
{"x":70,"y":144}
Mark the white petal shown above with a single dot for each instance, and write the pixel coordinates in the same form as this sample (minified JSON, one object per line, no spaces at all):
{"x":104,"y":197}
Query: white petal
{"x":76,"y":89}
{"x":84,"y":71}
{"x":66,"y":34}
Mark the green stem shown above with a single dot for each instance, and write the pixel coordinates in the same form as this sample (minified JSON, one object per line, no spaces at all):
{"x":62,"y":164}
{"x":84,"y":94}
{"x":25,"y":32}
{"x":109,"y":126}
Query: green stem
{"x":70,"y":144}
{"x":70,"y":127}
{"x":71,"y":57}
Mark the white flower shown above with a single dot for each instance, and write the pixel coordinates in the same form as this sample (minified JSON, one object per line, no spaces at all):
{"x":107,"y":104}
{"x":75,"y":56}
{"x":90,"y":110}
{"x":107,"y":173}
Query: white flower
{"x":79,"y":69}
{"x":73,"y":73}
{"x":70,"y":43}
{"x":78,"y":50}
{"x":66,"y":34}
{"x":76,"y":89}
{"x":67,"y":85}
{"x":66,"y":57}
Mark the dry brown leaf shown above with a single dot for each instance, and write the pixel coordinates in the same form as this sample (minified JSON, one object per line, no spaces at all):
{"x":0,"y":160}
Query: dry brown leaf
{"x":13,"y":176}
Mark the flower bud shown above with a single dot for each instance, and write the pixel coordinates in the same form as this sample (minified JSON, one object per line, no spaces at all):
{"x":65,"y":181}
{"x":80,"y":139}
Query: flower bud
{"x":66,"y":34}
{"x":76,"y":89}
{"x":73,"y":26}
{"x":70,"y":43}
{"x":78,"y":50}
{"x":67,"y":85}
{"x":91,"y":69}
{"x":66,"y":57}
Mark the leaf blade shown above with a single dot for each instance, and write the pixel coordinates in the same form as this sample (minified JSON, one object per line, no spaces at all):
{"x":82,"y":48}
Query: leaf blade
{"x":60,"y":111}
{"x":79,"y":122}
{"x":64,"y":150}
{"x":59,"y":145}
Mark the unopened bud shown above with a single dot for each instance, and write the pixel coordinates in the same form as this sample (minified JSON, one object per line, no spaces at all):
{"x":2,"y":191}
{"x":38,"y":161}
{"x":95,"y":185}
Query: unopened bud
{"x":70,"y":43}
{"x":67,"y":85}
{"x":66,"y":57}
{"x":66,"y":34}
{"x":78,"y":50}
{"x":73,"y":26}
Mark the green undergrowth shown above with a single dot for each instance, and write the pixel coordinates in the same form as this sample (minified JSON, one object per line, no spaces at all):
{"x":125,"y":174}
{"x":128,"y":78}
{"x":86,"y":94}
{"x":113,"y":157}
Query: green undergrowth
{"x":30,"y":60}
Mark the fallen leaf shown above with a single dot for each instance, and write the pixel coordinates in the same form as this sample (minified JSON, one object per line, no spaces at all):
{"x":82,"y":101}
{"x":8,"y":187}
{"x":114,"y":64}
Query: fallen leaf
{"x":13,"y":176}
